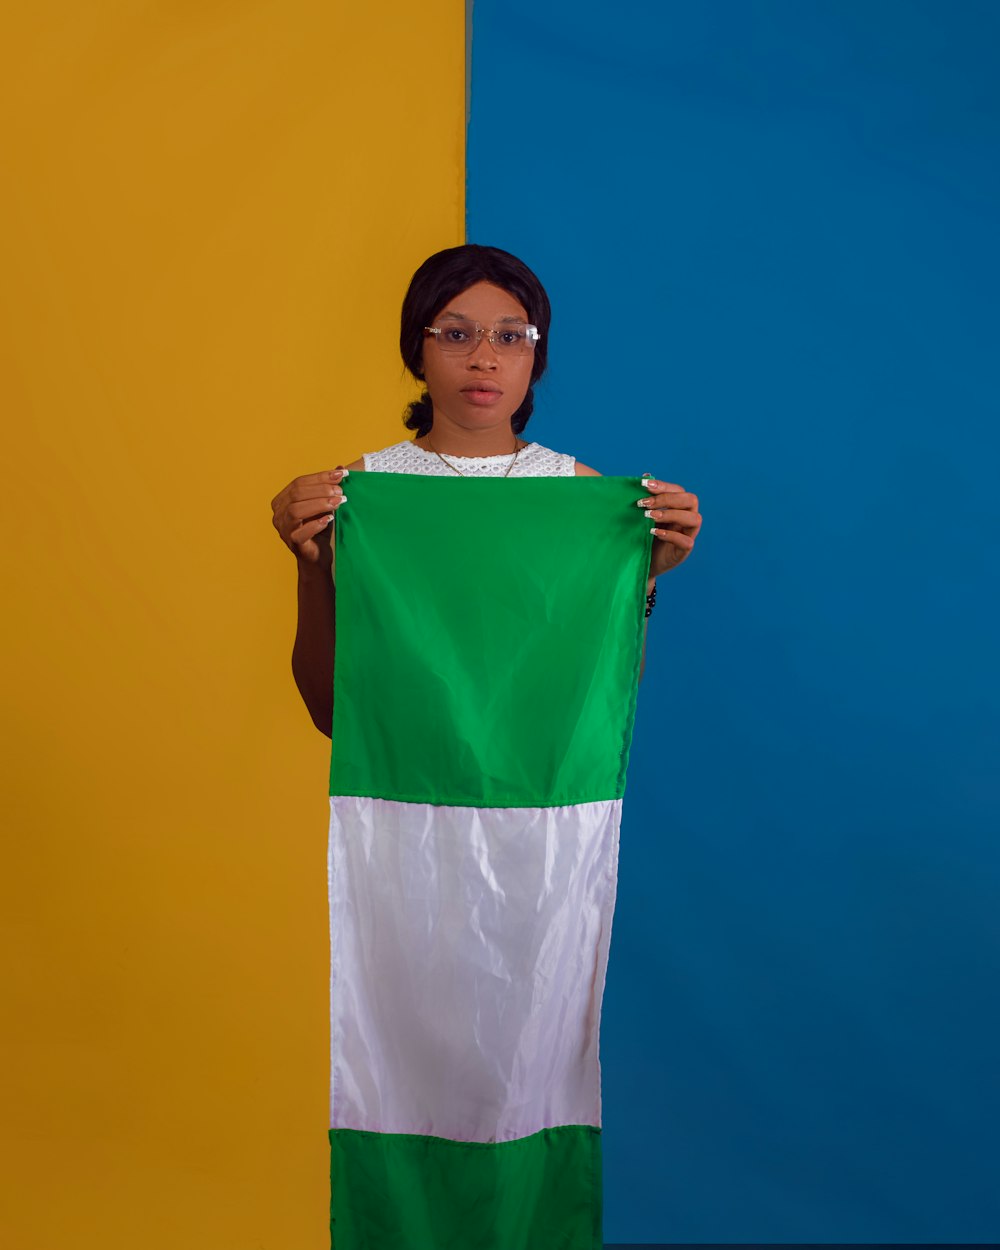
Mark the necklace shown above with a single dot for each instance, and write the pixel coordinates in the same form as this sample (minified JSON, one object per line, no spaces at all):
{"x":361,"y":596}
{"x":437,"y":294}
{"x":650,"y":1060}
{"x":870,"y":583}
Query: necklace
{"x":517,"y":452}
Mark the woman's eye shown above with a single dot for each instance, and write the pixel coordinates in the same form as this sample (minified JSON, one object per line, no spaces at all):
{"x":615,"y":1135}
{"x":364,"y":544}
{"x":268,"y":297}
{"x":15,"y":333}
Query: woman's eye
{"x":456,"y":336}
{"x":510,"y":337}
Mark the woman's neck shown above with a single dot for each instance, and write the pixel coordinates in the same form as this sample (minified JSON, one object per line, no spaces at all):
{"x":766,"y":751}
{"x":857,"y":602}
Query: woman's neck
{"x":455,"y":441}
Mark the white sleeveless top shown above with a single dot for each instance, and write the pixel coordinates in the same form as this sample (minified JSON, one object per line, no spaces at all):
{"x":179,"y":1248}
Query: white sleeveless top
{"x":532,"y":461}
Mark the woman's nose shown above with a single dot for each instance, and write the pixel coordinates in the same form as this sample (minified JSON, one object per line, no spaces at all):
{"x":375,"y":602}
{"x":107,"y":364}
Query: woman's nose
{"x":484,"y":355}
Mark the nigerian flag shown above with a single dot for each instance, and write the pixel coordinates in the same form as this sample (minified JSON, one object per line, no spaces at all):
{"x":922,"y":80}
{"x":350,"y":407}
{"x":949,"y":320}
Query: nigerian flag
{"x":489,"y":635}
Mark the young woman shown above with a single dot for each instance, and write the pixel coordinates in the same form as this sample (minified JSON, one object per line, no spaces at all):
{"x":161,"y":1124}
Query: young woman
{"x":467,"y":944}
{"x":474,"y":330}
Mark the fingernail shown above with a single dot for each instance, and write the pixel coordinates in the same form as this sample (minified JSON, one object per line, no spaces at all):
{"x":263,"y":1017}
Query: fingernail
{"x":649,"y":483}
{"x":643,"y":503}
{"x":649,"y":514}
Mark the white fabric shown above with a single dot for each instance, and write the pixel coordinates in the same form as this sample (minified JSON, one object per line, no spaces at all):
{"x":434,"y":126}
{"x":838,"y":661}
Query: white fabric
{"x":532,"y":461}
{"x":469,"y":949}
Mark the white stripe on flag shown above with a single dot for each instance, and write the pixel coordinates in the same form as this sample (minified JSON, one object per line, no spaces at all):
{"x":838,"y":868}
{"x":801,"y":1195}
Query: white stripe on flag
{"x":469,"y":948}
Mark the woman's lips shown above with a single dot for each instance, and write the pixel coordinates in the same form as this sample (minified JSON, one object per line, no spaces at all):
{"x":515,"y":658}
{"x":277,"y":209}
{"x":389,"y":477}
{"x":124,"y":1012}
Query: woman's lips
{"x":483,"y":398}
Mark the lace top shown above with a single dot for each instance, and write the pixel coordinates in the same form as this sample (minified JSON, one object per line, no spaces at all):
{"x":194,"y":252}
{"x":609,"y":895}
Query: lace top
{"x":532,"y":461}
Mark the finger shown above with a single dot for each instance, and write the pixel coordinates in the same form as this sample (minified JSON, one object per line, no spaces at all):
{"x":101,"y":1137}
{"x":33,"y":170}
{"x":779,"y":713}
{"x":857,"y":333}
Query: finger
{"x":684,"y":541}
{"x":305,"y":542}
{"x":311,"y":538}
{"x":313,"y":483}
{"x":290,"y":515}
{"x":293,"y":514}
{"x":303,"y":487}
{"x":676,"y":516}
{"x":669,"y":499}
{"x":305,"y":509}
{"x":299,"y":515}
{"x":309,"y":529}
{"x":654,"y":484}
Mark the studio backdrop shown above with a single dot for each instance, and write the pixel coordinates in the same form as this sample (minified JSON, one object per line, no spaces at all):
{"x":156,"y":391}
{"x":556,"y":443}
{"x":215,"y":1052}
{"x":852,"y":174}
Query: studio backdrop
{"x":769,"y":234}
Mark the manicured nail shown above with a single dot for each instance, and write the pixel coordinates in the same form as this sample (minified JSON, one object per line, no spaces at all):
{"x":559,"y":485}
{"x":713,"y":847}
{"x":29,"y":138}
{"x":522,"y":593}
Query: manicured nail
{"x":649,"y":514}
{"x":649,"y":483}
{"x":643,"y":503}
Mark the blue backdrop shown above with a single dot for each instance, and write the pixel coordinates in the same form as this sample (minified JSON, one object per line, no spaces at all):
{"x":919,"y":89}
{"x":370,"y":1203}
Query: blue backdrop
{"x":769,"y":230}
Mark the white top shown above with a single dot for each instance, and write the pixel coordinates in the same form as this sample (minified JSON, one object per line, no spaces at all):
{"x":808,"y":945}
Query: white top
{"x":532,"y":461}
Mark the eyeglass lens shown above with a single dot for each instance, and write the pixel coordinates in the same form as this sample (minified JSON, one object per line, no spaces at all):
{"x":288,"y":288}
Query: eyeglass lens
{"x":463,"y":336}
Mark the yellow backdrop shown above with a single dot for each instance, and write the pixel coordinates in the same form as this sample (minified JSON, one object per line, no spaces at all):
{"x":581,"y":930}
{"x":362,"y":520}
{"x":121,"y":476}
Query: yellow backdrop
{"x":208,"y":219}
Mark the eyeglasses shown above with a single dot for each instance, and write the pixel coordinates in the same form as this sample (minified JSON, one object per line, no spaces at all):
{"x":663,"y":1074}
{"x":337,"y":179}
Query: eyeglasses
{"x":463,"y":337}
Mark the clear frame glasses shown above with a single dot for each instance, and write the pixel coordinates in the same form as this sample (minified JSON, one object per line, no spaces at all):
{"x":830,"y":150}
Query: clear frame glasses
{"x":510,"y":338}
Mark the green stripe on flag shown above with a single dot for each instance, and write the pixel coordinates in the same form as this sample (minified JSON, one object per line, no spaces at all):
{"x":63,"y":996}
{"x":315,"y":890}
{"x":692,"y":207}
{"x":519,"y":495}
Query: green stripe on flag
{"x":494,"y":634}
{"x":417,"y":1193}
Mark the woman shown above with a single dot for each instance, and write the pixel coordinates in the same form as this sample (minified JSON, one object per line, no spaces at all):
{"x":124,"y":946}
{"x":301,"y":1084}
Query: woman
{"x":477,"y":401}
{"x":468,"y":944}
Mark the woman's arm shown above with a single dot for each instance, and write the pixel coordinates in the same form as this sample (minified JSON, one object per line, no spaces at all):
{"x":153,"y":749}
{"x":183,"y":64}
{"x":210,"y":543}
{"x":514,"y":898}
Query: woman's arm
{"x":303,"y":513}
{"x":315,"y":644}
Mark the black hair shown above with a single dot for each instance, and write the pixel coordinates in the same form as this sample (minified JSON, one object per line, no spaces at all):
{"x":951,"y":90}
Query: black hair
{"x":438,"y":280}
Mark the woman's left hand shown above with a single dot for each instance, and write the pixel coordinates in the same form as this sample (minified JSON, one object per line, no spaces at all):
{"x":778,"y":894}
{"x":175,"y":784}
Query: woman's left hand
{"x":676,"y":522}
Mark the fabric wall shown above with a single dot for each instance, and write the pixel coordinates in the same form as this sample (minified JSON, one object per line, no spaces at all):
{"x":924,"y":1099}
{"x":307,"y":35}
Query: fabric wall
{"x":209,"y":214}
{"x":769,"y":233}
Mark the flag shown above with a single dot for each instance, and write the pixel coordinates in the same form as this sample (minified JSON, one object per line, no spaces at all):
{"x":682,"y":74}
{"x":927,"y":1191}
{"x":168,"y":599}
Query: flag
{"x":488,"y":642}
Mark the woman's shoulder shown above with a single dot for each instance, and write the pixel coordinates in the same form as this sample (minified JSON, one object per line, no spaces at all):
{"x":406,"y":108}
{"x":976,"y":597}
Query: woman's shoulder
{"x":559,"y":462}
{"x":402,"y":457}
{"x":374,"y":460}
{"x":539,"y":461}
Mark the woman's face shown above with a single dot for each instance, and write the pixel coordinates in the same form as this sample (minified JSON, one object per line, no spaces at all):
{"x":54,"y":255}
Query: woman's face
{"x":482,"y":390}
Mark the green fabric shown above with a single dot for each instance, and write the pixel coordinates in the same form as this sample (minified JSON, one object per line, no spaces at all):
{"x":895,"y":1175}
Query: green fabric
{"x":396,"y":1191}
{"x":489,"y":635}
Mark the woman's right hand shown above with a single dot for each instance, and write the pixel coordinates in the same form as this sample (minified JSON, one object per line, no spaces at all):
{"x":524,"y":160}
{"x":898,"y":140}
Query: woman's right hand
{"x":303,"y":512}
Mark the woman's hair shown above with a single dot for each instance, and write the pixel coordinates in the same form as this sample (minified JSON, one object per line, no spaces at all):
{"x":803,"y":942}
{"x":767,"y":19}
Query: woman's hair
{"x":438,"y":280}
